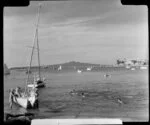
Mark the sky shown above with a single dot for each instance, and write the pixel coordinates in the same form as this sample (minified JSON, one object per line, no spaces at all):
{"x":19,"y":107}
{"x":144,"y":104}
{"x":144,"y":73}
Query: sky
{"x":93,"y":31}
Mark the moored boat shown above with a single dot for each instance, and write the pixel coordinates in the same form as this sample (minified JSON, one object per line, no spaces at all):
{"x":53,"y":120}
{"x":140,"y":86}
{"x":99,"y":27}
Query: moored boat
{"x":107,"y":75}
{"x":79,"y":71}
{"x":29,"y":97}
{"x":28,"y":100}
{"x":128,"y":67}
{"x":89,"y":69}
{"x":132,"y":68}
{"x":60,"y":68}
{"x":143,"y":67}
{"x":39,"y":82}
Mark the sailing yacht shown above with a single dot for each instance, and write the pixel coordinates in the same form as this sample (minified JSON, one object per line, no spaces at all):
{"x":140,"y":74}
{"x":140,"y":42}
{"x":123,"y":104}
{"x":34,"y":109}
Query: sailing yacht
{"x":29,"y":97}
{"x":39,"y":82}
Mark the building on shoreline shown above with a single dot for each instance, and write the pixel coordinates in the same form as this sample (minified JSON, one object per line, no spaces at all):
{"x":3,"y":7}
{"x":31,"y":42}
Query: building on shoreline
{"x":132,"y":62}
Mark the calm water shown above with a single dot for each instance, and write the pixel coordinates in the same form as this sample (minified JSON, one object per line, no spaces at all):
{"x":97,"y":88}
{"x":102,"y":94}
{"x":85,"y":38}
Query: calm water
{"x":101,"y":100}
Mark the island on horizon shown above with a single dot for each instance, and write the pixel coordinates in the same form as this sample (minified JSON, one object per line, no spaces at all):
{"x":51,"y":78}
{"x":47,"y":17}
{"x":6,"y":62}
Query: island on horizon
{"x":82,"y":65}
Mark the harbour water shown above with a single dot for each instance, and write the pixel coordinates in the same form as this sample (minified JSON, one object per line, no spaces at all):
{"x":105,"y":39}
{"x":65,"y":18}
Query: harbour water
{"x":124,"y":95}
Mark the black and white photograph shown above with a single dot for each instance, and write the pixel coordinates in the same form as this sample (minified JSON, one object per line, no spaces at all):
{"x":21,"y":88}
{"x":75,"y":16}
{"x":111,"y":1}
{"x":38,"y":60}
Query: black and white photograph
{"x":76,"y":60}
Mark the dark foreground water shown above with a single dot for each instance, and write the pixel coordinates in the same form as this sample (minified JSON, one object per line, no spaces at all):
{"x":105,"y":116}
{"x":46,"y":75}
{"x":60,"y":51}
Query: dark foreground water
{"x":101,"y":99}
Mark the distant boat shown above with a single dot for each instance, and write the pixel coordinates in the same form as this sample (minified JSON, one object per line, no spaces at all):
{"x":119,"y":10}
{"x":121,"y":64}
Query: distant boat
{"x":107,"y":75}
{"x":132,"y":68}
{"x":89,"y":68}
{"x":128,"y":67}
{"x":143,"y":67}
{"x":119,"y":101}
{"x":79,"y":71}
{"x":60,"y":68}
{"x":6,"y":70}
{"x":73,"y":92}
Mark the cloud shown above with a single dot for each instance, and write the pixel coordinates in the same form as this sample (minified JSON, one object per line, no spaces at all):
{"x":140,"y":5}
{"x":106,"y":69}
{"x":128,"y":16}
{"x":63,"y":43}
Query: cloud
{"x":80,"y":31}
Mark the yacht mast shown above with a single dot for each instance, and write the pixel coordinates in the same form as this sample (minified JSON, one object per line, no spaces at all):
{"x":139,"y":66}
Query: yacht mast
{"x":34,"y":39}
{"x":38,"y":56}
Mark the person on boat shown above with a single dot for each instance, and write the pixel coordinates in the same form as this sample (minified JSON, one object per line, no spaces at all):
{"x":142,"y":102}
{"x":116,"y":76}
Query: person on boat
{"x":17,"y":92}
{"x":38,"y":79}
{"x":35,"y":80}
{"x":11,"y":93}
{"x":33,"y":93}
{"x":22,"y":94}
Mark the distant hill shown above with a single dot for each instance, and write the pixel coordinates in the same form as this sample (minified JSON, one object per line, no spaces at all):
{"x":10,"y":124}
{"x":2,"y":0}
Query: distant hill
{"x":74,"y":63}
{"x":67,"y":64}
